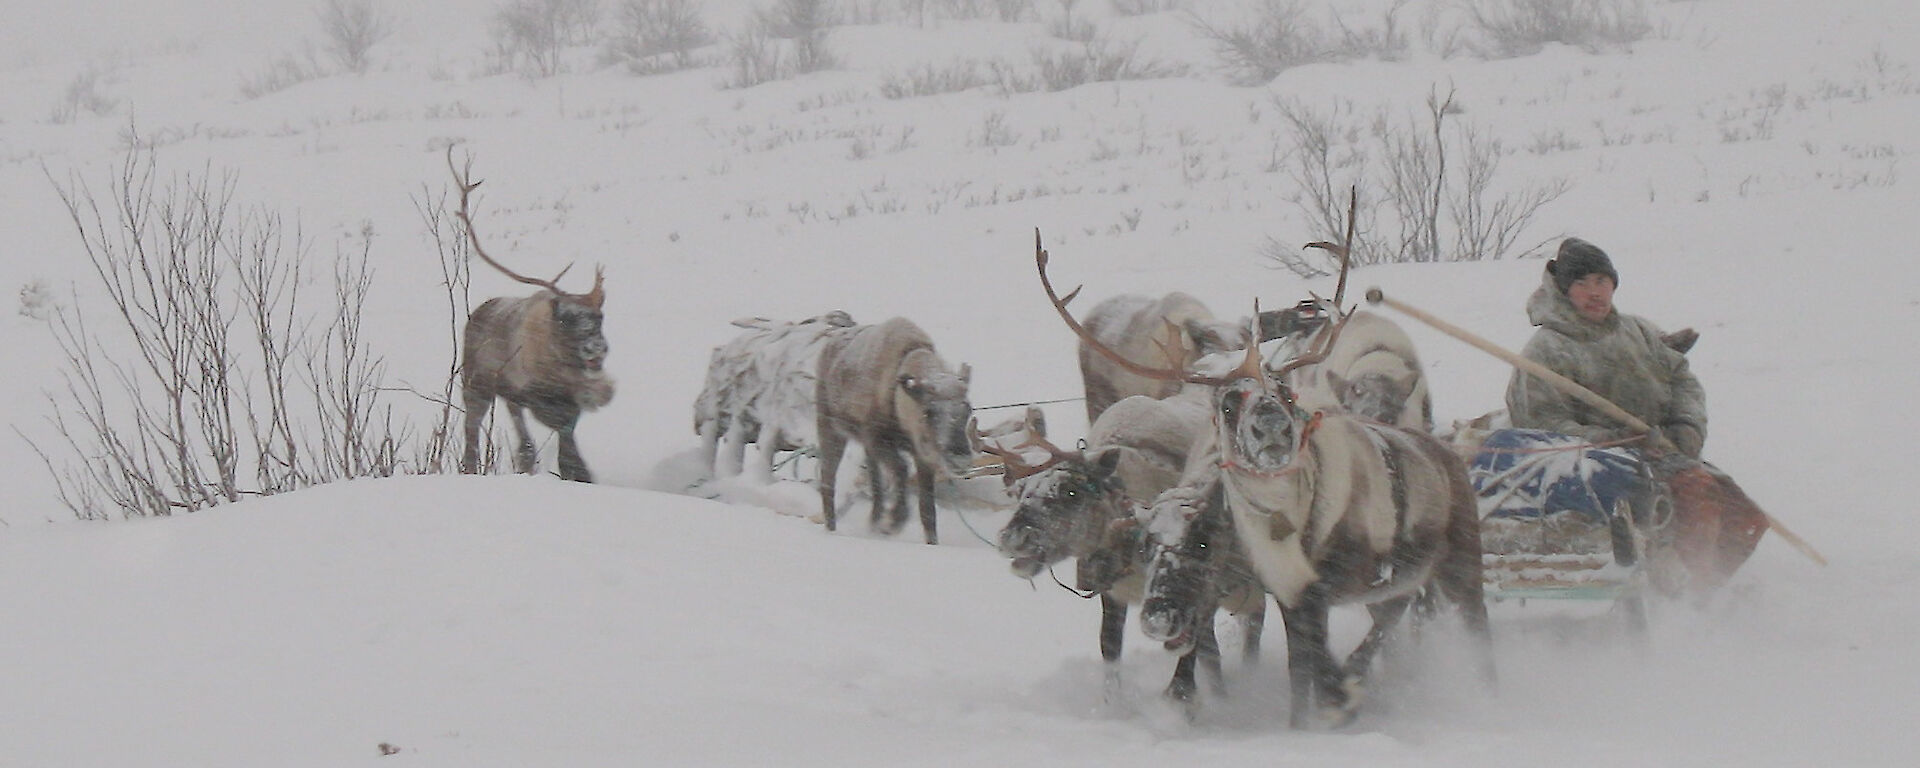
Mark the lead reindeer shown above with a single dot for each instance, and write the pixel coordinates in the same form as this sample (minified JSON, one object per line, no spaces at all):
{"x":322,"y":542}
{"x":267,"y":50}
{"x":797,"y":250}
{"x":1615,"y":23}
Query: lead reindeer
{"x":543,"y":353}
{"x":1327,"y":508}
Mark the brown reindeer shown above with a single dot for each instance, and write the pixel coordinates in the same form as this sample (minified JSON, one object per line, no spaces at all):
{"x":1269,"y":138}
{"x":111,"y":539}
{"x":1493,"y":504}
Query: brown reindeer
{"x":884,"y":387}
{"x":1171,"y":331}
{"x":1327,"y":509}
{"x":542,"y":352}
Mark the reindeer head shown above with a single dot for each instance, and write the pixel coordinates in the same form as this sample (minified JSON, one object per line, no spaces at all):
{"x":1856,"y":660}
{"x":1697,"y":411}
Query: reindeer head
{"x":1186,"y":527}
{"x":1065,"y":505}
{"x":931,"y":404}
{"x":577,"y":321}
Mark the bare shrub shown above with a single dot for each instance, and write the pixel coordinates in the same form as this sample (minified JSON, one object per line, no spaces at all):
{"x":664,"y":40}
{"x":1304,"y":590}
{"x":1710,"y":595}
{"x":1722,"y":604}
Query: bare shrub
{"x":284,"y":71}
{"x":213,"y":380}
{"x":352,"y":28}
{"x":1146,"y":7}
{"x":1426,"y":185}
{"x":927,"y":80}
{"x":755,"y":57}
{"x":1512,"y":28}
{"x":654,"y":36}
{"x":1386,"y":41}
{"x":786,"y":39}
{"x":531,"y":35}
{"x":1101,"y":59}
{"x":83,"y":96}
{"x":805,"y":23}
{"x":1277,"y":37}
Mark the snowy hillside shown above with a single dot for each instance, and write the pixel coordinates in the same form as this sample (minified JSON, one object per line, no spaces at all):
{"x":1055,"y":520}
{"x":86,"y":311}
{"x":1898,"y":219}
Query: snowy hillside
{"x":1742,"y":163}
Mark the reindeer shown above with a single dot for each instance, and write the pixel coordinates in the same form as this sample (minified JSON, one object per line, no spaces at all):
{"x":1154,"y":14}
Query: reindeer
{"x":885,"y":387}
{"x":1371,"y":372}
{"x":1326,"y":507}
{"x":1172,"y":331}
{"x":1082,"y":504}
{"x":542,"y":352}
{"x":760,"y":389}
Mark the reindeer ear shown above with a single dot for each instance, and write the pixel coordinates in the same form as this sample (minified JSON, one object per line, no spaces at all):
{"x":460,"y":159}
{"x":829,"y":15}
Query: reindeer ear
{"x":1339,"y":385}
{"x":1106,"y":461}
{"x":966,"y":372}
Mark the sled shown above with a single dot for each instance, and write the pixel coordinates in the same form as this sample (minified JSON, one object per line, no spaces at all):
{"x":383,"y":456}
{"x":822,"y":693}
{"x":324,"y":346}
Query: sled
{"x":1561,"y":519}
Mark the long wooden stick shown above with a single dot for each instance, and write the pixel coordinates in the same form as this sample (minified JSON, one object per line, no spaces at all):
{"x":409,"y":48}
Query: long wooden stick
{"x":1571,"y":388}
{"x":1562,"y":383}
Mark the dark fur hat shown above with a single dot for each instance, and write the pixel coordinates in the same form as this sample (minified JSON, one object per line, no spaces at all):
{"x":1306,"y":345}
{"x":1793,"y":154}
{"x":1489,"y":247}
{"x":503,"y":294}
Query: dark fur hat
{"x":1577,"y":259}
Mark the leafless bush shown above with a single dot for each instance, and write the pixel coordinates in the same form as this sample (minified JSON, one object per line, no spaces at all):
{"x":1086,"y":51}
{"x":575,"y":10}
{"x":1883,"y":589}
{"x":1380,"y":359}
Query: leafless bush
{"x":805,"y":23}
{"x":83,"y":95}
{"x":927,"y":80}
{"x":352,"y":28}
{"x":1511,"y":28}
{"x":441,"y":446}
{"x":786,"y":39}
{"x":531,"y":35}
{"x":1426,"y":185}
{"x":284,"y":71}
{"x":1277,"y":37}
{"x":1101,"y":59}
{"x":755,"y":57}
{"x":1386,"y":41}
{"x":1144,"y":7}
{"x":1066,"y":27}
{"x":213,"y":380}
{"x":654,"y":36}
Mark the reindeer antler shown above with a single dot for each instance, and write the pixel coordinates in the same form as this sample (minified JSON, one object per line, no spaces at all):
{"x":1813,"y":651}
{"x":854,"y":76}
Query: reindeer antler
{"x":1344,"y":250}
{"x":463,"y":178}
{"x":1016,"y":464}
{"x":1248,"y":367}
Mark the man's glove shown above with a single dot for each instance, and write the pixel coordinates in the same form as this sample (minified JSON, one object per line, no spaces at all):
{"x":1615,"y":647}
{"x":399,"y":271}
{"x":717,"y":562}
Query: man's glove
{"x":1684,"y":437}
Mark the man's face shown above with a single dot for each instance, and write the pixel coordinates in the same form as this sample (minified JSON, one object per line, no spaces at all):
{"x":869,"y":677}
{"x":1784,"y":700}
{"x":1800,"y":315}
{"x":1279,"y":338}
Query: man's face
{"x":1592,"y":296}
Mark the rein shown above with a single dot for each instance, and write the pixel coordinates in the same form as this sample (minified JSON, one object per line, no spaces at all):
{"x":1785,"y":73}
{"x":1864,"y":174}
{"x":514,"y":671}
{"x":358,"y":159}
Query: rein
{"x":1084,"y":595}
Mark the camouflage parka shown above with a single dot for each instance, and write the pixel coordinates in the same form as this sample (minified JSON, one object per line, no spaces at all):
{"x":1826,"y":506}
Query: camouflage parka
{"x":1621,"y":359}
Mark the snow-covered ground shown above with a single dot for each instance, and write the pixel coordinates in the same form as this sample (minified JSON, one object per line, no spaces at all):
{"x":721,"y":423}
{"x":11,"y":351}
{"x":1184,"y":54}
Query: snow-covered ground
{"x":1742,"y":166}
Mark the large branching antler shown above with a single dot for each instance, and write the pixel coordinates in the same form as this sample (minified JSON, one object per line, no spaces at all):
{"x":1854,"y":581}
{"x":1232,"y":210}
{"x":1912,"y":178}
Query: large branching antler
{"x":463,"y":178}
{"x":1344,"y":249}
{"x":1248,"y":367}
{"x":1016,"y":464}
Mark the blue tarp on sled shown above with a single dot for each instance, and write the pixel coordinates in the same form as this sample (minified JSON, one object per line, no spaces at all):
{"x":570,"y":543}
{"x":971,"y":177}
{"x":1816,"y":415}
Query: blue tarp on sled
{"x":1521,"y":473}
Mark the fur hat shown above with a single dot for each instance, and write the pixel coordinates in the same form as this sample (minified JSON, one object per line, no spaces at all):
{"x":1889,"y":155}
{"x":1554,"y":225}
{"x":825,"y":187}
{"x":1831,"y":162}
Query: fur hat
{"x":1577,"y":259}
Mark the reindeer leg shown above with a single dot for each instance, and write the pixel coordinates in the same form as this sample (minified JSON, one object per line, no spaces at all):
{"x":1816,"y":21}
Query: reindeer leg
{"x":710,"y":445}
{"x":888,"y":467}
{"x":1253,"y":624}
{"x":523,"y":457}
{"x":477,"y":407}
{"x":1206,"y":646}
{"x":1310,"y":667}
{"x":1113,"y":626}
{"x":1386,"y":616}
{"x":923,"y":485}
{"x":832,"y":446}
{"x":572,"y":466}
